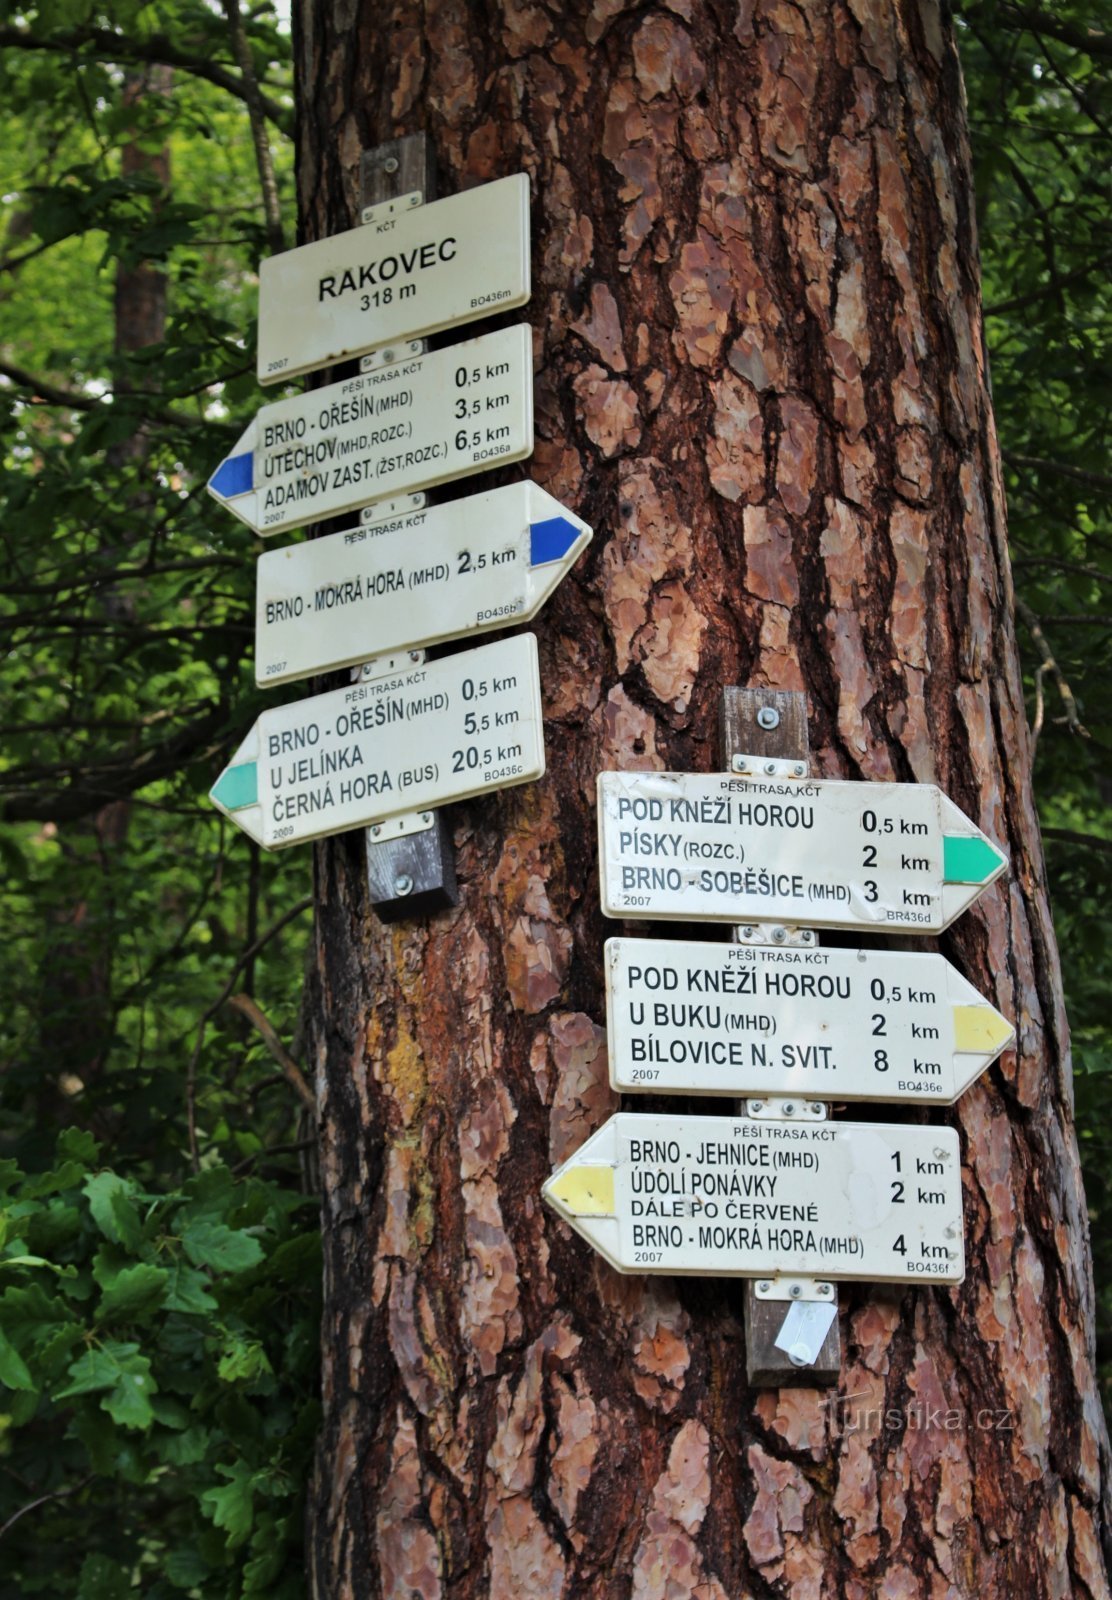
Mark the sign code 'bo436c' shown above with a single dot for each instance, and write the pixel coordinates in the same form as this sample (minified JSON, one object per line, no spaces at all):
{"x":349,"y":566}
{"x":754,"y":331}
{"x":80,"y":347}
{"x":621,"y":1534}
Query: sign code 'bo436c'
{"x":695,"y":1018}
{"x":727,"y":1197}
{"x":702,"y":847}
{"x":485,"y":562}
{"x":410,"y":740}
{"x":402,"y":427}
{"x":398,"y":277}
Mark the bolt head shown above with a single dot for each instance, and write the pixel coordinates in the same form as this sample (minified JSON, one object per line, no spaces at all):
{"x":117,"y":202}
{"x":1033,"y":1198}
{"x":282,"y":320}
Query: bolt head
{"x":426,"y":816}
{"x":824,"y":1288}
{"x":764,"y":1286}
{"x":779,"y":935}
{"x":770,"y":767}
{"x":799,"y":769}
{"x":756,"y":1105}
{"x":376,"y":830}
{"x":403,"y":884}
{"x":789,"y":1109}
{"x":768,"y":717}
{"x":390,"y":164}
{"x":795,"y":1291}
{"x":387,"y":355}
{"x":747,"y":931}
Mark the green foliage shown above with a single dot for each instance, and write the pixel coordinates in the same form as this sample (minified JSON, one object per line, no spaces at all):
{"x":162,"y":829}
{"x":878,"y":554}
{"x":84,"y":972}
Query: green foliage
{"x":157,"y":1380}
{"x":1041,"y":112}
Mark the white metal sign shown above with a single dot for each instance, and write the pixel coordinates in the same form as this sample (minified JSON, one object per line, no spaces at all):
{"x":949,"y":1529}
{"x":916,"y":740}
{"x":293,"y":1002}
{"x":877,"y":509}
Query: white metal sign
{"x":895,"y":857}
{"x":690,"y":1018}
{"x":405,"y":742}
{"x":722,"y":1197}
{"x":398,"y":277}
{"x":468,"y":566}
{"x":402,"y":427}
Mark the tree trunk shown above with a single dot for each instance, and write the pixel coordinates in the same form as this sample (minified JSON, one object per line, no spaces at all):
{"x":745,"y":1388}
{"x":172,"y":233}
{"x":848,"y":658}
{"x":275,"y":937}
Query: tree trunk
{"x":760,"y":376}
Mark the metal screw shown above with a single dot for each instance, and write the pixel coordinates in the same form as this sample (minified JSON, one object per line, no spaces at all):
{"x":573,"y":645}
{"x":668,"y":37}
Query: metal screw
{"x":795,"y":1291}
{"x":426,"y":816}
{"x":376,"y":830}
{"x":805,"y":936}
{"x":756,"y":1105}
{"x":415,"y":655}
{"x":403,"y":884}
{"x":387,"y":355}
{"x":768,"y":717}
{"x":764,"y":1286}
{"x":770,"y":767}
{"x":779,"y":935}
{"x":390,"y":164}
{"x":815,"y":1105}
{"x":747,"y":931}
{"x":789,"y":1109}
{"x":824,"y":1288}
{"x":738,"y":764}
{"x":799,"y":769}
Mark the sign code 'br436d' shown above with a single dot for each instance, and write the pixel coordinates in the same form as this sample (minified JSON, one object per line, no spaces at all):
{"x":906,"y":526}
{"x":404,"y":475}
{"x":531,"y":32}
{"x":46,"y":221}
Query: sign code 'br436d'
{"x":398,"y":277}
{"x":694,"y":1018}
{"x":895,"y":856}
{"x":401,"y":427}
{"x":404,"y":742}
{"x":735,"y":1197}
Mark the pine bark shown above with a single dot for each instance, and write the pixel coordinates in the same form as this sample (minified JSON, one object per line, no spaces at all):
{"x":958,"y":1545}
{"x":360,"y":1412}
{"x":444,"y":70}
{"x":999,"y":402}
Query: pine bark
{"x":760,"y":375}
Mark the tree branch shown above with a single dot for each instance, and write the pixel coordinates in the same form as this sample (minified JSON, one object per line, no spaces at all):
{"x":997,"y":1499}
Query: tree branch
{"x":1050,"y":665}
{"x":54,"y":395}
{"x":1093,"y":44}
{"x":292,"y":1073}
{"x":157,"y":49}
{"x":1098,"y":480}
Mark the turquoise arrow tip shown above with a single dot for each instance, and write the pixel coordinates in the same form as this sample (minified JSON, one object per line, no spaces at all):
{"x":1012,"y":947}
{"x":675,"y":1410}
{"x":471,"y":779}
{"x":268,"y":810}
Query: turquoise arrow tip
{"x":968,"y":859}
{"x":237,"y":787}
{"x":235,"y":475}
{"x":551,"y":540}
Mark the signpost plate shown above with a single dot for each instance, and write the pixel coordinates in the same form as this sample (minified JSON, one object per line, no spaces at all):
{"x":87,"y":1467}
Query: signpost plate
{"x":688,"y":1018}
{"x":401,"y":427}
{"x":469,"y":566}
{"x":893,"y":857}
{"x":726,"y":1197}
{"x":408,"y":741}
{"x":398,"y":277}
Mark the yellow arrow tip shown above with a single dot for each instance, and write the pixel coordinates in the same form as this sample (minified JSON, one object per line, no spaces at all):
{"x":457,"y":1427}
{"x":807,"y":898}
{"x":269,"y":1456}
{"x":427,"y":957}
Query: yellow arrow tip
{"x":583,"y":1191}
{"x":981,"y":1030}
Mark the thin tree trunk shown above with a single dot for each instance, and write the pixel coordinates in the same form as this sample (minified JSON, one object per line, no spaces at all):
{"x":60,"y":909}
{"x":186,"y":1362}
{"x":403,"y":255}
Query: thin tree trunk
{"x":760,"y":375}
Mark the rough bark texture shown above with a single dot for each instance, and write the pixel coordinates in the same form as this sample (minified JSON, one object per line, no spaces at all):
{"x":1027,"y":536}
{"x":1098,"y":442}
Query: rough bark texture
{"x":760,"y":376}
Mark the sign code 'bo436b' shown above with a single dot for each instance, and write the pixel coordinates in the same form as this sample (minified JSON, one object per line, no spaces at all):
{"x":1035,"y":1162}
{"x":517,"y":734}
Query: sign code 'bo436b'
{"x":404,"y":742}
{"x":401,"y":427}
{"x":703,"y":847}
{"x":695,"y":1018}
{"x":397,"y":278}
{"x":728,"y":1197}
{"x":469,"y":566}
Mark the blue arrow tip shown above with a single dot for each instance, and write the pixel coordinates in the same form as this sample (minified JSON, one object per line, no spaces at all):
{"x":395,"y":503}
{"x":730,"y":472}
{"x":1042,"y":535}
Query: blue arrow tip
{"x":235,"y":475}
{"x":551,"y":540}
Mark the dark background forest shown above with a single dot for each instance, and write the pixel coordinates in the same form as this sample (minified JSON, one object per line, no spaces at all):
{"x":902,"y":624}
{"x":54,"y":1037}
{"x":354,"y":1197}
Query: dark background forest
{"x":159,"y":1255}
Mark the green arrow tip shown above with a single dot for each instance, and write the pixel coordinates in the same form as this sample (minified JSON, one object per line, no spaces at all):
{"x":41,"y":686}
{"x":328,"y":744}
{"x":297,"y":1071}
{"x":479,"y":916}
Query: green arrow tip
{"x":969,"y":859}
{"x":237,"y":786}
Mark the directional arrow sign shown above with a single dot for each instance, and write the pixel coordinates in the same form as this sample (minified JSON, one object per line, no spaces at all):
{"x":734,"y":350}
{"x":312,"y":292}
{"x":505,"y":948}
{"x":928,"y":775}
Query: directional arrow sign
{"x":401,"y":427}
{"x":734,"y":1197}
{"x":692,"y":846}
{"x":404,"y":742}
{"x":693,"y":1018}
{"x":468,"y":566}
{"x":396,"y":278}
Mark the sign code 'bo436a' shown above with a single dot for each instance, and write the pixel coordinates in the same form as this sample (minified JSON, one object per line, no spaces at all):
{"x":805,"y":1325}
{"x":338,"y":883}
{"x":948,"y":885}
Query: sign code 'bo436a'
{"x":398,"y":277}
{"x":701,"y":847}
{"x":404,"y":742}
{"x":402,"y":427}
{"x":735,"y":1197}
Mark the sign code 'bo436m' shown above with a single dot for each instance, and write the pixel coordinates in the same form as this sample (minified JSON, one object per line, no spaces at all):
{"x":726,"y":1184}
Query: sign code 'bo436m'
{"x":727,"y":1197}
{"x":695,"y":1018}
{"x":402,"y":427}
{"x":703,"y":847}
{"x":398,"y":277}
{"x":404,"y":742}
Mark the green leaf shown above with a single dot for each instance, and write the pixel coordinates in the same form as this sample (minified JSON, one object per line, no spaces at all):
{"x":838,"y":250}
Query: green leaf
{"x":242,"y":1360}
{"x":13,"y":1369}
{"x":133,"y":1293}
{"x":232,"y":1508}
{"x":211,"y":1244}
{"x":109,"y":1198}
{"x":102,"y":1579}
{"x":77,"y":1144}
{"x":126,"y":1377}
{"x":187,"y":1290}
{"x":186,"y":1568}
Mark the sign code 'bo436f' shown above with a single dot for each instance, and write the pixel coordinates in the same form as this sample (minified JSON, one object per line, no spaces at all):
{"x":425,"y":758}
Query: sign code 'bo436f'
{"x":398,"y":277}
{"x":403,"y":427}
{"x":703,"y":847}
{"x":695,"y":1018}
{"x":726,"y":1197}
{"x":403,"y":742}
